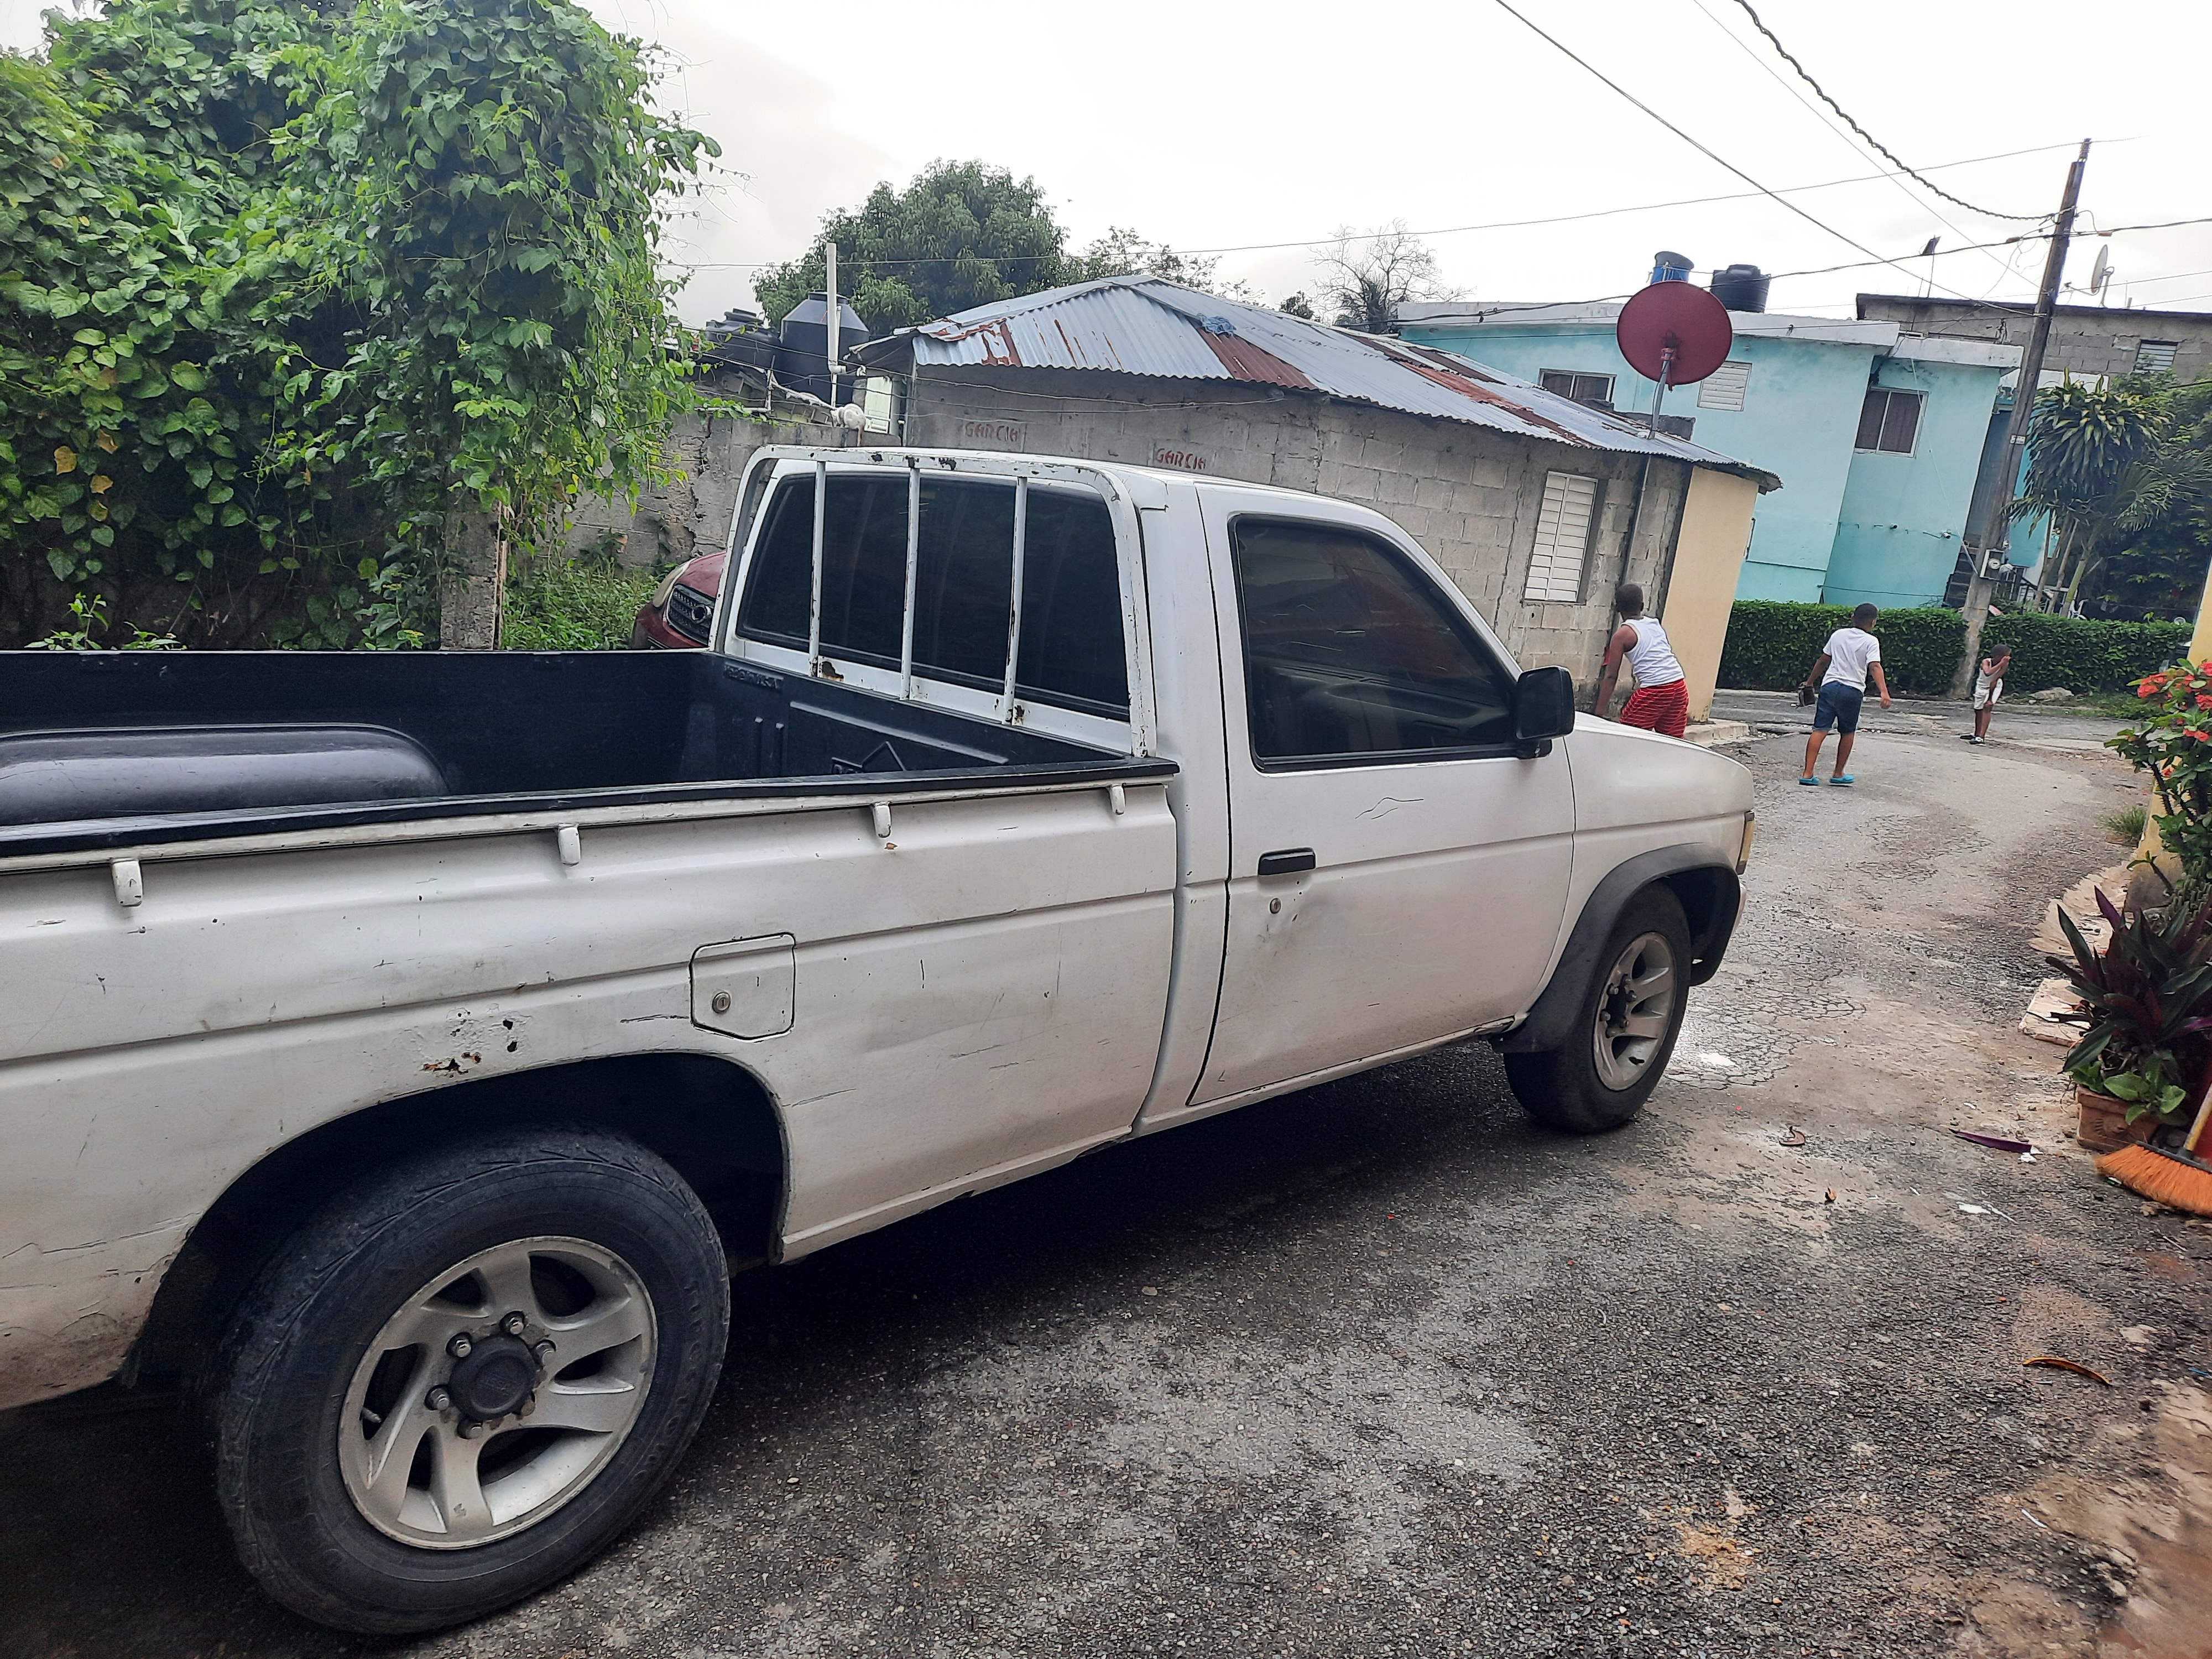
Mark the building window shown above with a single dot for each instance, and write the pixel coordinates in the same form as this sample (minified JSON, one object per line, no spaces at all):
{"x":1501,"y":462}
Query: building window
{"x":1724,"y":387}
{"x":1888,"y":420}
{"x":1564,"y":527}
{"x":2155,"y":356}
{"x":1581,"y":388}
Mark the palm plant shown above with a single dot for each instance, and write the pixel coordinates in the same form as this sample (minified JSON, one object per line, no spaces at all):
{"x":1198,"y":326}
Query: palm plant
{"x":2122,"y":468}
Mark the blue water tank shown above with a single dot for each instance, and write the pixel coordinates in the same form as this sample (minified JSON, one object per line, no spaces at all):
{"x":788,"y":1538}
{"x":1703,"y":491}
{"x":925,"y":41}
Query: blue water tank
{"x":1668,"y":267}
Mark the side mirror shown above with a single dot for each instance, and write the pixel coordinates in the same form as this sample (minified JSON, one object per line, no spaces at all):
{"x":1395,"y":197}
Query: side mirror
{"x":1543,"y":709}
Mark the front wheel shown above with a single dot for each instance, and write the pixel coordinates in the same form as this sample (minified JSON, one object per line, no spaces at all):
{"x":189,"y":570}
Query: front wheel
{"x":466,"y":1375}
{"x":1619,"y":1043}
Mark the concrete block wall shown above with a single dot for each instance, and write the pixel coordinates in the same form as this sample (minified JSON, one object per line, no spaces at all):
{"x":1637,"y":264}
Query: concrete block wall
{"x":1468,"y":495}
{"x":2085,"y":340}
{"x":690,"y":514}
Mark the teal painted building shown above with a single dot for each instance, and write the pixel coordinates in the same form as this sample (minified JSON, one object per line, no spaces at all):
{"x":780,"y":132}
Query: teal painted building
{"x":1876,"y":435}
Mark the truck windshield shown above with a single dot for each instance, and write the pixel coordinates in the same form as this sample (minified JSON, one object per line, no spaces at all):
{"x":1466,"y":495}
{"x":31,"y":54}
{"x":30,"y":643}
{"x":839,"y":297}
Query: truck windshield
{"x":1072,"y":649}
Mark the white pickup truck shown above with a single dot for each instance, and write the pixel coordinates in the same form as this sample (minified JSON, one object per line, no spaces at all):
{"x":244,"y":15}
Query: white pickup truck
{"x":399,"y":1051}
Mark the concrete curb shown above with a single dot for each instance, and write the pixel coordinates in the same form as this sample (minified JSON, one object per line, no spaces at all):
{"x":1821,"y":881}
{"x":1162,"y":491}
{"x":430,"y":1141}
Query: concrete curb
{"x":1712,"y":734}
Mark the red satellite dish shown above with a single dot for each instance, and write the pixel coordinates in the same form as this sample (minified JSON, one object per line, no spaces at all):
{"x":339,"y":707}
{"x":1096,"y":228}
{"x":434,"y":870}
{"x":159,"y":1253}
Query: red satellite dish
{"x":1674,"y":333}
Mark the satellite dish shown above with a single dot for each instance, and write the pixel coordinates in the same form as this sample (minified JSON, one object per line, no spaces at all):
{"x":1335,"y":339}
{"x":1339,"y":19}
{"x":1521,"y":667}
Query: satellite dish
{"x":2101,"y":273}
{"x":1673,"y":333}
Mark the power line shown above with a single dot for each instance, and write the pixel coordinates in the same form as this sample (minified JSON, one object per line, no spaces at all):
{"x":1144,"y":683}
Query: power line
{"x":1448,"y":230}
{"x":1710,"y":154}
{"x":1806,"y":76}
{"x":1836,"y":132}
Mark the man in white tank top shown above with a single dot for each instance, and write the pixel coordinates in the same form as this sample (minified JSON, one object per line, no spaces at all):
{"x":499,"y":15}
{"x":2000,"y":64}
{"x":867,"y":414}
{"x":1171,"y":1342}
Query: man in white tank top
{"x":1661,"y":702}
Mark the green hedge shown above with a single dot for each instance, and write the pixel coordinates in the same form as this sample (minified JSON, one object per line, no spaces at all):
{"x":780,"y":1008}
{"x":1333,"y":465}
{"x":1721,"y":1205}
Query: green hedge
{"x":1771,"y":645}
{"x":2083,"y":655}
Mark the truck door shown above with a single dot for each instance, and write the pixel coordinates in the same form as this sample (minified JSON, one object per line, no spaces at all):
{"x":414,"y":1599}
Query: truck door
{"x":1398,"y":874}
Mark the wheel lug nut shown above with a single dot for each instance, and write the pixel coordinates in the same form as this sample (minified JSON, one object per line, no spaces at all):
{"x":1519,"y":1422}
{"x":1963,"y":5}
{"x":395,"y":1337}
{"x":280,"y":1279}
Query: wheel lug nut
{"x":459,"y":1347}
{"x":543,"y":1350}
{"x":438,"y":1400}
{"x":513,"y":1324}
{"x":468,"y":1429}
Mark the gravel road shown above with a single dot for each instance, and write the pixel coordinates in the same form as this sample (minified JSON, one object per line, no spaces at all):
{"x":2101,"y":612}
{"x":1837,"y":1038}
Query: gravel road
{"x":1382,"y":1369}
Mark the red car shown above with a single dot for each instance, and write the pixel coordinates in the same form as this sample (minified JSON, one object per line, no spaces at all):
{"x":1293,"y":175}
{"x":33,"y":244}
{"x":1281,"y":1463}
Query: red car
{"x":680,"y":615}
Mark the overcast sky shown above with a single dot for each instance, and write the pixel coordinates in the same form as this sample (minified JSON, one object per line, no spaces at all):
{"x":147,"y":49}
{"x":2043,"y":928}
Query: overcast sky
{"x":1213,"y":126}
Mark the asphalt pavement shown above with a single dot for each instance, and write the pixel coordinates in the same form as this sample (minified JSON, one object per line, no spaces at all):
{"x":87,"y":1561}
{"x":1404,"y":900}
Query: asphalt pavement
{"x":1382,"y":1370}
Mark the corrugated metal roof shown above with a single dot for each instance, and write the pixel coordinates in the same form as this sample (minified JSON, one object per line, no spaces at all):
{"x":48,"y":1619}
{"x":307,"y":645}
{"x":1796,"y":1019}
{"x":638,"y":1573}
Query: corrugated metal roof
{"x":1144,"y":325}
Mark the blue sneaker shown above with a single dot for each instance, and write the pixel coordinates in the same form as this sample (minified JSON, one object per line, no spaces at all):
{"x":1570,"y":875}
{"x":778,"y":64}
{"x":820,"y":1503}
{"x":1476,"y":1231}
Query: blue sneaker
{"x":1842,"y":777}
{"x":1810,"y":782}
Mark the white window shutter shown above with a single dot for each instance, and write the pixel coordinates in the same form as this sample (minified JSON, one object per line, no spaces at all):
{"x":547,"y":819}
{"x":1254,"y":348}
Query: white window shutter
{"x":1563,"y":532}
{"x":1724,"y":387}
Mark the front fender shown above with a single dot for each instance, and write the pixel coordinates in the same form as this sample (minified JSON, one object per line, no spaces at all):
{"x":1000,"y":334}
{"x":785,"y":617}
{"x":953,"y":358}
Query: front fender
{"x":1711,"y":896}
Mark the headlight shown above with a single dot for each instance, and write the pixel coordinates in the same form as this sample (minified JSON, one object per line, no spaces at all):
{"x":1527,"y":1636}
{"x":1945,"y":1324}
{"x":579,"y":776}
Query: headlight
{"x":1743,"y":852}
{"x":667,"y":586}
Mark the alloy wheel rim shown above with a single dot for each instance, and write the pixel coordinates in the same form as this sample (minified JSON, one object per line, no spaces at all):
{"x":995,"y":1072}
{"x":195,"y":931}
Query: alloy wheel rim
{"x":1635,"y":1011}
{"x":496,"y":1392}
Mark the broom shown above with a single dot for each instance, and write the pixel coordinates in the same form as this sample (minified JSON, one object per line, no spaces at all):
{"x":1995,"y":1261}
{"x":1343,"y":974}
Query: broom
{"x":2180,"y":1181}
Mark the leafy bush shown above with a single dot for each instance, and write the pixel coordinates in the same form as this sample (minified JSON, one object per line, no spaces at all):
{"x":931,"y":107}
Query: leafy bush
{"x":2172,"y":742}
{"x":588,"y":605}
{"x":1772,"y":643}
{"x":284,"y":284}
{"x":2083,"y":655}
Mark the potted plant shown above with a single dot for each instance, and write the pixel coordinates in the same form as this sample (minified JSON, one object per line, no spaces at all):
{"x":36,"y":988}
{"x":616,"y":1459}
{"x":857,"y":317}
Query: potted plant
{"x":2147,"y":999}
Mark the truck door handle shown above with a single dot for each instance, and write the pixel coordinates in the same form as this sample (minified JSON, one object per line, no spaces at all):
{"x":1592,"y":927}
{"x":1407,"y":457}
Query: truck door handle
{"x":1288,"y":862}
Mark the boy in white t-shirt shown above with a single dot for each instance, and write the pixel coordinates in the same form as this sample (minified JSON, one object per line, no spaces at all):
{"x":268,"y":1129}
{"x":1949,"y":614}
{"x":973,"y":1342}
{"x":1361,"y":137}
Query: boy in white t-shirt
{"x":1851,"y":655}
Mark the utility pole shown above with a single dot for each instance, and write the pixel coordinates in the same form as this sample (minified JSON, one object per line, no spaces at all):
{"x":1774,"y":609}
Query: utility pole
{"x":1996,"y":534}
{"x":834,"y":318}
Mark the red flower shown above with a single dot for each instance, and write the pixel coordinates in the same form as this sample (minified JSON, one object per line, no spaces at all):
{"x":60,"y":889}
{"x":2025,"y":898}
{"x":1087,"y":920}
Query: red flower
{"x":2203,"y":701}
{"x":2146,"y":690}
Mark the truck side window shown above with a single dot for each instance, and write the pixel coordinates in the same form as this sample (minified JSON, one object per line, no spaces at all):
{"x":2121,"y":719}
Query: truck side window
{"x":863,"y":568}
{"x":1349,"y":652}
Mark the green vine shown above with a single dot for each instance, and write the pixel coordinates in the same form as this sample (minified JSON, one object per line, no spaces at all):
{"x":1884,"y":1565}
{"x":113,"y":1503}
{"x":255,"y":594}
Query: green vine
{"x":284,"y":284}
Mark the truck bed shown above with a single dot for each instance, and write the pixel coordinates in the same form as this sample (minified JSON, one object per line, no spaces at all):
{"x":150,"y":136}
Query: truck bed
{"x":109,"y":749}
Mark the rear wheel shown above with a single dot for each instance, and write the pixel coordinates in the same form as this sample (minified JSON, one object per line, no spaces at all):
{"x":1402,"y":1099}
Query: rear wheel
{"x":1622,"y":1036}
{"x":466,"y":1375}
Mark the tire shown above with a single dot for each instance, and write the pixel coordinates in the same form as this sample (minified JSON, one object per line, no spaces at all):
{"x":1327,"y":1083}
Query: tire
{"x":1599,"y":1079}
{"x":360,"y":1500}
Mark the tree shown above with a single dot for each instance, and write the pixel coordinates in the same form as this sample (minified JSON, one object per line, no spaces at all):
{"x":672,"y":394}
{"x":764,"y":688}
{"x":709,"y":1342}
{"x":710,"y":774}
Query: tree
{"x":962,"y":233}
{"x":1364,"y":279}
{"x":2124,"y":471}
{"x":278,"y":278}
{"x":1297,"y":305}
{"x":495,"y":175}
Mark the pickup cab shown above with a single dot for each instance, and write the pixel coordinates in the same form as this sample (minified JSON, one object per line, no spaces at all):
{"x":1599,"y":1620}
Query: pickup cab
{"x":399,"y":1051}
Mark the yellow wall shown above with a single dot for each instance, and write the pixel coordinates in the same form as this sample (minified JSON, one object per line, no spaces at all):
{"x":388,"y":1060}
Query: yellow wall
{"x":1708,"y":558}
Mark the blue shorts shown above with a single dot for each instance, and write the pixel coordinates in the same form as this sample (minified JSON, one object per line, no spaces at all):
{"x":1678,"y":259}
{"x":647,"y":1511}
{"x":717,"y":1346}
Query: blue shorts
{"x":1838,"y":707}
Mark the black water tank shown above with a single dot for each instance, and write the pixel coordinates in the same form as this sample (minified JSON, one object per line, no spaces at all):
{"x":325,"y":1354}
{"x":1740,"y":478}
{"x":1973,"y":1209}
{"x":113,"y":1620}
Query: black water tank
{"x":1741,"y":288}
{"x":805,"y":331}
{"x":740,"y":339}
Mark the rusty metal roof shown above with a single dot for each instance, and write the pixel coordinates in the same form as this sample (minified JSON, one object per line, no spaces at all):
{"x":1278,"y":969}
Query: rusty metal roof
{"x":1146,"y":325}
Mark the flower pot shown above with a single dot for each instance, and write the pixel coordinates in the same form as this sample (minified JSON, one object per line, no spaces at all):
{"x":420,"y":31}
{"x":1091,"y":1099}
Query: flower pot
{"x":2104,"y":1126}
